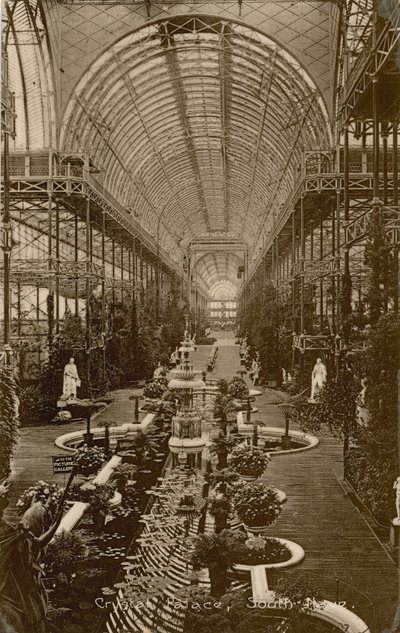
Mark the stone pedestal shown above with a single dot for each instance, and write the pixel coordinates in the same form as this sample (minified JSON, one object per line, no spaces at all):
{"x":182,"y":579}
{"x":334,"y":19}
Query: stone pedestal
{"x":286,"y":442}
{"x":394,"y":533}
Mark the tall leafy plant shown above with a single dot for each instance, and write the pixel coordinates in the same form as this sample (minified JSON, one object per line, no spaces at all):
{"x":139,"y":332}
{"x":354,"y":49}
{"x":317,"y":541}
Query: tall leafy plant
{"x":9,"y":419}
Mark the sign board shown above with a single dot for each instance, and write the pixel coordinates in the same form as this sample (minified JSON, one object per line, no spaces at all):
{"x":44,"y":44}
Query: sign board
{"x":63,"y":463}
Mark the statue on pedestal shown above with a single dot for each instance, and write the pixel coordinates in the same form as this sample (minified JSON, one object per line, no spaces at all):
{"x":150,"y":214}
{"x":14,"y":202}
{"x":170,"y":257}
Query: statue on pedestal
{"x":318,"y":378}
{"x":396,"y":486}
{"x":71,"y":380}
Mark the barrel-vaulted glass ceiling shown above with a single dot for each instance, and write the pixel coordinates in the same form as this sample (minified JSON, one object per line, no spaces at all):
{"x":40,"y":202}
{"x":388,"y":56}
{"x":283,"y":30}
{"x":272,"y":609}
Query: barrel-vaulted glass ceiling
{"x":197,"y":125}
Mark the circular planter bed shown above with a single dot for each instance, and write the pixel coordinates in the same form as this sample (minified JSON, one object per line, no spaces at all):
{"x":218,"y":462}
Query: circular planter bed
{"x":274,"y":551}
{"x":296,"y":555}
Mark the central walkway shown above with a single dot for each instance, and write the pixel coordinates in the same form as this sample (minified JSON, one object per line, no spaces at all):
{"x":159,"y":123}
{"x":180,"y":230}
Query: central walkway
{"x":318,"y":514}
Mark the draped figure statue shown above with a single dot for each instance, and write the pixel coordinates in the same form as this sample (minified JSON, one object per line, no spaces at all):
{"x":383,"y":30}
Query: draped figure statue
{"x":71,"y":380}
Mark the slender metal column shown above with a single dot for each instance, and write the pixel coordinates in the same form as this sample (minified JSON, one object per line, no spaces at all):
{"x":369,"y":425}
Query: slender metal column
{"x":103,"y":293}
{"x":337,"y":255}
{"x":395,"y":203}
{"x":50,"y":299}
{"x":122,"y":271}
{"x":113,"y":268}
{"x":346,"y":192}
{"x":293,"y":271}
{"x":302,"y":262}
{"x":6,"y":223}
{"x":321,"y":281}
{"x":88,"y":275}
{"x":57,"y":296}
{"x":385,"y":133}
{"x":333,"y":278}
{"x":76,"y":298}
{"x":395,"y":165}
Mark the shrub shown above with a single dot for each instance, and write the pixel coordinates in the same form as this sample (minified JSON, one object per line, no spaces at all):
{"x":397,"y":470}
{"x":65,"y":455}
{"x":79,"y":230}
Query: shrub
{"x":248,"y":460}
{"x":89,"y":460}
{"x":9,"y":419}
{"x":49,"y":494}
{"x":238,"y":389}
{"x":257,"y":505}
{"x":155,"y":388}
{"x":63,"y":553}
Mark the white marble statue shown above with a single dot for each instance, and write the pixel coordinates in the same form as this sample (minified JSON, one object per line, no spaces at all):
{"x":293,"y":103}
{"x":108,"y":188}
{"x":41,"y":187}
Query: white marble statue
{"x":318,"y":378}
{"x":159,"y":370}
{"x":396,"y":486}
{"x":71,"y":380}
{"x":284,"y":375}
{"x":255,"y":370}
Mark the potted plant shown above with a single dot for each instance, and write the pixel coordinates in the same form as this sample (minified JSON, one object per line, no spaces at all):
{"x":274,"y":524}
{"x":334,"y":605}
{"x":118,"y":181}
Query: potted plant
{"x":154,"y":389}
{"x":89,"y":460}
{"x":221,"y":445}
{"x":217,"y":552}
{"x":122,"y":475}
{"x":48,"y":494}
{"x":257,"y":506}
{"x":219,"y":507}
{"x":98,"y":497}
{"x":238,"y":388}
{"x":224,"y":411}
{"x":225,"y":481}
{"x":249,"y":461}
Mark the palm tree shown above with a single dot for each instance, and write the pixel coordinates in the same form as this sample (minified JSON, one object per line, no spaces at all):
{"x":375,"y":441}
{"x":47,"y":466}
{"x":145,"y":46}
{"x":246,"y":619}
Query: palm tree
{"x":220,"y":508}
{"x":223,"y":480}
{"x":221,"y":446}
{"x":224,"y":410}
{"x":217,"y":552}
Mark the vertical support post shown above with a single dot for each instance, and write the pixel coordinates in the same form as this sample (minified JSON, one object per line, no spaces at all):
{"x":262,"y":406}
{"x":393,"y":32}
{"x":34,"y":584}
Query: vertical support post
{"x":122,"y":270}
{"x":385,"y":133}
{"x":113,"y":268}
{"x":76,"y":299}
{"x":395,"y":203}
{"x":50,"y":298}
{"x":88,"y":315}
{"x":333,"y":254}
{"x":303,"y":257}
{"x":293,"y":270}
{"x":321,"y":281}
{"x":6,"y":224}
{"x":57,"y":297}
{"x":103,"y":293}
{"x":395,"y":165}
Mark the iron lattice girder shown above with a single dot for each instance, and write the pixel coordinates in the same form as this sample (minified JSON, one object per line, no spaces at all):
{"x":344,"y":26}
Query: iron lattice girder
{"x":21,"y":187}
{"x":371,"y":63}
{"x":30,"y":272}
{"x":316,"y":269}
{"x":360,"y":185}
{"x":357,"y":229}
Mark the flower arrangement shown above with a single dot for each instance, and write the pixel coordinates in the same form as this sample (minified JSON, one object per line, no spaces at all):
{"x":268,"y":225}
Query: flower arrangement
{"x":49,"y":494}
{"x":248,"y":460}
{"x":257,"y":505}
{"x":238,"y":389}
{"x":155,"y":388}
{"x":89,"y":460}
{"x":272,"y":551}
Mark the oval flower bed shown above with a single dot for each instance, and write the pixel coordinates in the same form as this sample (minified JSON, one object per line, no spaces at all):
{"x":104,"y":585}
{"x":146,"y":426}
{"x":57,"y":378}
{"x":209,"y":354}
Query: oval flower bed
{"x":274,"y":551}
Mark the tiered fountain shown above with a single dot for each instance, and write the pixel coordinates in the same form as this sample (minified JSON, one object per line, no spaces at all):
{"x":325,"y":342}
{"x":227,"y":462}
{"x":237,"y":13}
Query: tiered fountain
{"x":186,"y":436}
